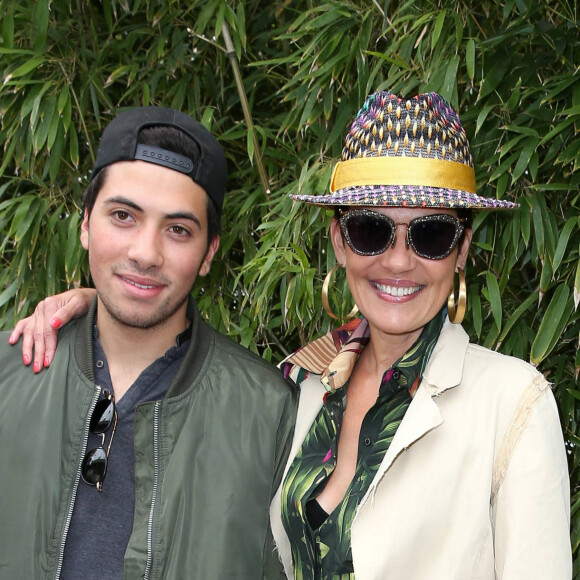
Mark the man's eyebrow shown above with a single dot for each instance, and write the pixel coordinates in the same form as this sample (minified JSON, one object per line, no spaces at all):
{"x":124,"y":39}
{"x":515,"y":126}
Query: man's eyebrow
{"x":183,"y":215}
{"x":179,"y":215}
{"x":124,"y":201}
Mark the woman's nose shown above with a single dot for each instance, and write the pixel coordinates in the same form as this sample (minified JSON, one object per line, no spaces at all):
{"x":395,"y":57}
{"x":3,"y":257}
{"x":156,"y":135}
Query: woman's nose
{"x":399,"y":255}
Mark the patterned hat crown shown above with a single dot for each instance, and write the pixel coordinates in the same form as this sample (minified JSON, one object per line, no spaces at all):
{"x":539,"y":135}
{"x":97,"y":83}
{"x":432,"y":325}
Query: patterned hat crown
{"x":406,"y":152}
{"x":425,"y":126}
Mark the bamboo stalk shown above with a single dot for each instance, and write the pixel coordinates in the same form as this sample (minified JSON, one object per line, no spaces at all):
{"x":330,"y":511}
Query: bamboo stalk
{"x":231,"y":53}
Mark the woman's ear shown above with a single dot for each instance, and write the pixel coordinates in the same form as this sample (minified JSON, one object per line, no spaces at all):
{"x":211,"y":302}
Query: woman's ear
{"x":337,"y":241}
{"x":464,"y":249}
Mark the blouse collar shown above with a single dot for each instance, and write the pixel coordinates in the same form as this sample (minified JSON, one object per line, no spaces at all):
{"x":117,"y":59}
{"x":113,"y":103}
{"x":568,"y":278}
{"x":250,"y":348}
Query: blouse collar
{"x":334,"y":355}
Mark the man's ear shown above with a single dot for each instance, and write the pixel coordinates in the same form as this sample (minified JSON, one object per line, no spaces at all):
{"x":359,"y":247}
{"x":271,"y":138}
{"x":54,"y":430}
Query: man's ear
{"x":85,"y":231}
{"x":464,"y":249}
{"x":337,"y":241}
{"x":211,"y":250}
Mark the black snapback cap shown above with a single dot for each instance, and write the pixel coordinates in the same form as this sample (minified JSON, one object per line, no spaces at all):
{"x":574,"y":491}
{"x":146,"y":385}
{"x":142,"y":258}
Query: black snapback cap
{"x":120,"y":142}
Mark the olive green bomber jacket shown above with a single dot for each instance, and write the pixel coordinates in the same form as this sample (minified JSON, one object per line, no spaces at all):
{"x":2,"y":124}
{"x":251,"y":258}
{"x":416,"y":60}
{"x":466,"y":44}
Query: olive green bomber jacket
{"x":208,"y":459}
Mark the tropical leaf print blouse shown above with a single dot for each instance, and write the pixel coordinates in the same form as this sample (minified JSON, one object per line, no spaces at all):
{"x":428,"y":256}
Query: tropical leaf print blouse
{"x":325,"y":553}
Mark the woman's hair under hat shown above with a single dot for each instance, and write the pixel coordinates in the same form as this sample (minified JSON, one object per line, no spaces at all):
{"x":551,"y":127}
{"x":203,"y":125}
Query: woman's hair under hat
{"x":405,"y":153}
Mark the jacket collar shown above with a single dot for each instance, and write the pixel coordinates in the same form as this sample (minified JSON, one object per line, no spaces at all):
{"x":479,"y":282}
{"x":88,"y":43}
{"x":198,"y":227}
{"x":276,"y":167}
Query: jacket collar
{"x":202,"y":340}
{"x":445,"y":366}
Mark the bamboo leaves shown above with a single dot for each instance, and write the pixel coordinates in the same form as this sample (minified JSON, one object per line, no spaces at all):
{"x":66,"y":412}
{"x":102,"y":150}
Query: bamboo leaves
{"x":553,"y":322}
{"x":494,"y":297}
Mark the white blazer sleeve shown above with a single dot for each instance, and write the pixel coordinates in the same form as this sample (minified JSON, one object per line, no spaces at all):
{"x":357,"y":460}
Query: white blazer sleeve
{"x":532,"y":506}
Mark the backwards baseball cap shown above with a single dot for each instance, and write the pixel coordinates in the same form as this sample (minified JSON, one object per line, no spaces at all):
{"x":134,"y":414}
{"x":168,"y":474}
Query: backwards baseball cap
{"x":120,"y":142}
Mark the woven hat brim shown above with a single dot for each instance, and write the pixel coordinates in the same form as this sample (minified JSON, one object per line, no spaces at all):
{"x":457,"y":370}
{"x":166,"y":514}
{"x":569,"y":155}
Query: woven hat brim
{"x":406,"y":196}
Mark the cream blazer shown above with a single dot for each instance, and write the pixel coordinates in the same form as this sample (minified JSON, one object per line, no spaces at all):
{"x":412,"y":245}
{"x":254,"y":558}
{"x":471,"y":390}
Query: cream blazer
{"x":475,"y":483}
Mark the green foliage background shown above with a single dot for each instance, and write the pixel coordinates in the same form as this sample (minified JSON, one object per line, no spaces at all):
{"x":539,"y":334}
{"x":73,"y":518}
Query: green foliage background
{"x":509,"y":67}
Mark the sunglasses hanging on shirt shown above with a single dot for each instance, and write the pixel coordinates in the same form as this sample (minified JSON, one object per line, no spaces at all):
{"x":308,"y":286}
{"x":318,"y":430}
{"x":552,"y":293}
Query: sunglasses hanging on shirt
{"x":94,"y":466}
{"x":369,"y":233}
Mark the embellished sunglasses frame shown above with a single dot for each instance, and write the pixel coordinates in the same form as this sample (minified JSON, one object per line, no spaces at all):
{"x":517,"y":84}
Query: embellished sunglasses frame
{"x":346,"y":215}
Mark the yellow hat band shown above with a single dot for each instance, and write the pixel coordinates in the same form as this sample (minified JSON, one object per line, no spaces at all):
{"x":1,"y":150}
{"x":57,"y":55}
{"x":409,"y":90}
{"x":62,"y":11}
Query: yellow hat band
{"x":415,"y":171}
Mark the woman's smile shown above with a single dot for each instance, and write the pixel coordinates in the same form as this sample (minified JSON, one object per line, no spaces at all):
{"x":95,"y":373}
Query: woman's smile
{"x":397,"y":290}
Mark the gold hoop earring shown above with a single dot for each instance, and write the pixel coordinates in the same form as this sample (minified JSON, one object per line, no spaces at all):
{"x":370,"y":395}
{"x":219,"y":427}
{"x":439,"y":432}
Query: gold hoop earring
{"x":457,"y":310}
{"x":325,"y":302}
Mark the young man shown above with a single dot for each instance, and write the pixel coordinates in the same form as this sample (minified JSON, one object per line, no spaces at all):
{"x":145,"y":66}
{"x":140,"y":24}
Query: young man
{"x":152,"y":445}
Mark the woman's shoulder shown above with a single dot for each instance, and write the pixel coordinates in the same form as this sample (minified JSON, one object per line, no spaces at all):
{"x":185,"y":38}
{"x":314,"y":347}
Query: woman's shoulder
{"x":499,"y":366}
{"x":456,"y":358}
{"x":495,"y":389}
{"x":505,"y":385}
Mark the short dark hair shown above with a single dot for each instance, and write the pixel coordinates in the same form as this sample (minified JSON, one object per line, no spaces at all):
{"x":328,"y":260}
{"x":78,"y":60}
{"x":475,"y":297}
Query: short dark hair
{"x":171,"y":139}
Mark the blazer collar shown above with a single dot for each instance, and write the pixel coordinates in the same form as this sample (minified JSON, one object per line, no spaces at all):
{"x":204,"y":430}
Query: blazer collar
{"x":445,"y":367}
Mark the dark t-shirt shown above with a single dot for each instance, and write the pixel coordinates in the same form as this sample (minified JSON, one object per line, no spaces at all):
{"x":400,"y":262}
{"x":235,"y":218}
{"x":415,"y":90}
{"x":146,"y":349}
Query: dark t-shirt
{"x":102,"y":522}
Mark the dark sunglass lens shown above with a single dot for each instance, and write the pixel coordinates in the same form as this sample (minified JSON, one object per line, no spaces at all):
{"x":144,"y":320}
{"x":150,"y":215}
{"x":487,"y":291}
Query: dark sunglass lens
{"x":433,"y":238}
{"x":94,"y":466}
{"x":369,"y":234}
{"x":102,"y":416}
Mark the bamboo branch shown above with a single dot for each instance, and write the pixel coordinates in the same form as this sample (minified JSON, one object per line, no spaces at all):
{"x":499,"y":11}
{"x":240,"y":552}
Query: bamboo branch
{"x":231,"y":53}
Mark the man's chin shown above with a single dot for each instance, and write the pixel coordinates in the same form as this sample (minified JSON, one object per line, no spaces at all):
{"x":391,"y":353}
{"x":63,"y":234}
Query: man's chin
{"x":140,"y":319}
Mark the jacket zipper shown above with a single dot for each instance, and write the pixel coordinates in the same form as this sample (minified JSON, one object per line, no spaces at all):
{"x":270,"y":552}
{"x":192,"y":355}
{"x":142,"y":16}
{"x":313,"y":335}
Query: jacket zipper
{"x":155,"y":486}
{"x":75,"y":488}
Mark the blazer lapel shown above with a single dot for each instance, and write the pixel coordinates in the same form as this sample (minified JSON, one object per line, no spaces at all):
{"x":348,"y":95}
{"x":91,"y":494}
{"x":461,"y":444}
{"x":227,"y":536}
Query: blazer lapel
{"x":423,"y":415}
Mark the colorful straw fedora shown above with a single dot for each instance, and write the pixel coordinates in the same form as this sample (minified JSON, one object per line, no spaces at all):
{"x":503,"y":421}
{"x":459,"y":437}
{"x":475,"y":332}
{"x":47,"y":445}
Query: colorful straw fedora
{"x":406,"y":153}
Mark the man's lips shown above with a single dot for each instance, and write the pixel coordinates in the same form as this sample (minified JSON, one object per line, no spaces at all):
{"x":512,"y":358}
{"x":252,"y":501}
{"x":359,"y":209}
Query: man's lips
{"x":144,"y":286}
{"x":142,"y":283}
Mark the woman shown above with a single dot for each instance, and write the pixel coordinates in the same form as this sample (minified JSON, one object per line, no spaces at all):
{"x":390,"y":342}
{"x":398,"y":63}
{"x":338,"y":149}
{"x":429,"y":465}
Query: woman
{"x":416,"y":454}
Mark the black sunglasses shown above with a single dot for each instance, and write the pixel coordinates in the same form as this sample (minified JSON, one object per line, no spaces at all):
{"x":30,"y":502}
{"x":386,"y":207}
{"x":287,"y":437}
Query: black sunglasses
{"x":94,"y":467}
{"x":369,"y":233}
